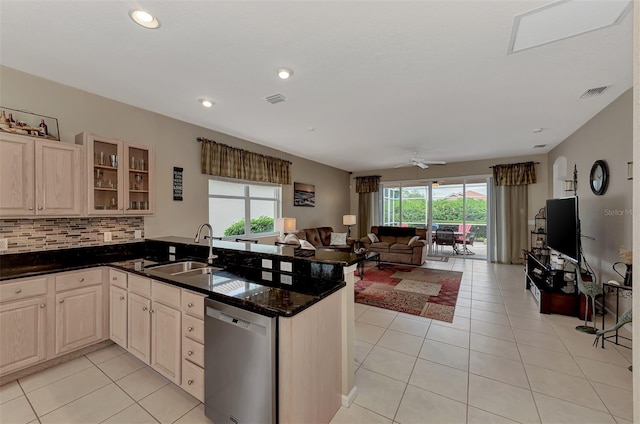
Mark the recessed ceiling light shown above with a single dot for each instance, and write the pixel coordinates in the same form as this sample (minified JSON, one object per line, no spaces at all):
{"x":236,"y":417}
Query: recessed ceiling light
{"x":144,"y":19}
{"x":311,"y":129}
{"x":284,"y":73}
{"x":206,"y":102}
{"x":538,"y":130}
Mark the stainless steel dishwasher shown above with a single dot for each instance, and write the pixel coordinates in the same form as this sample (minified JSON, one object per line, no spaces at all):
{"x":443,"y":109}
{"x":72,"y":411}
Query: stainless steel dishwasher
{"x":239,"y":365}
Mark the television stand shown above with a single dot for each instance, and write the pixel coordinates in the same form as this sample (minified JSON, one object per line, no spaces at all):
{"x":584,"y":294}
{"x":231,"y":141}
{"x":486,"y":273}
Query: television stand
{"x":549,"y":288}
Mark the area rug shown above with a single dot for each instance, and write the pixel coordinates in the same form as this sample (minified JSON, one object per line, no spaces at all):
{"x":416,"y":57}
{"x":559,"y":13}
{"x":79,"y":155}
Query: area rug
{"x":431,"y":293}
{"x":437,"y":258}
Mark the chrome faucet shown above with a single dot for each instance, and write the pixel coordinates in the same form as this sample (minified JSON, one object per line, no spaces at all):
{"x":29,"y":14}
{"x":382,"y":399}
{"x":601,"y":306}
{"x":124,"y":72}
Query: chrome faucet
{"x":210,"y":237}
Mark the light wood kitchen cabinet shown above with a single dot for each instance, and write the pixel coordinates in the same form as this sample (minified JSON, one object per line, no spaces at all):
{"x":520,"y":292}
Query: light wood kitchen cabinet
{"x":78,"y":318}
{"x":39,"y":178}
{"x":165,"y":336}
{"x":139,"y":327}
{"x":154,"y":325}
{"x":22,"y":333}
{"x":118,"y":315}
{"x":193,"y":343}
{"x":120,"y":176}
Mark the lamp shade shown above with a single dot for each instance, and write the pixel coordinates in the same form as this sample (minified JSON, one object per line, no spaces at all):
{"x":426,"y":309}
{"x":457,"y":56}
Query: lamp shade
{"x":285,"y":224}
{"x":348,"y":219}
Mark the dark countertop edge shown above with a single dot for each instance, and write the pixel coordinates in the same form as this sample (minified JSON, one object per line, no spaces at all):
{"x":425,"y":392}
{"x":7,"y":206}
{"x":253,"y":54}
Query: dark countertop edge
{"x":241,"y":303}
{"x":278,"y":251}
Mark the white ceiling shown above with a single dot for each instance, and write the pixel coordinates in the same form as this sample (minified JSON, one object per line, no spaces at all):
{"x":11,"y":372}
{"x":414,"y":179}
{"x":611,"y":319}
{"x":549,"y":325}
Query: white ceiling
{"x":377,"y":80}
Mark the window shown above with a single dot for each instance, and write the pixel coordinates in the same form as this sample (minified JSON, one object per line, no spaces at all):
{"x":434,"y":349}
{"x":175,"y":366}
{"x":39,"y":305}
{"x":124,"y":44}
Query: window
{"x":243,"y":209}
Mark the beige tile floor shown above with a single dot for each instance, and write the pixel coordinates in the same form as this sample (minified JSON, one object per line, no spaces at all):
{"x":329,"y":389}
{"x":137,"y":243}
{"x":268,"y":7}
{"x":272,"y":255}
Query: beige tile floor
{"x":498,"y":362}
{"x":108,"y":385}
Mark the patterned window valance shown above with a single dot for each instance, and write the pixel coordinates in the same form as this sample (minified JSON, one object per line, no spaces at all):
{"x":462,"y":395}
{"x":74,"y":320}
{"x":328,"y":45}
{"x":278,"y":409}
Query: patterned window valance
{"x":368,"y":184}
{"x":226,"y":161}
{"x":513,"y":174}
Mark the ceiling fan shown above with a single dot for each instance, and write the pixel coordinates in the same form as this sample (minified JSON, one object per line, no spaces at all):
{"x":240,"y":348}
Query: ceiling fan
{"x":421,"y":162}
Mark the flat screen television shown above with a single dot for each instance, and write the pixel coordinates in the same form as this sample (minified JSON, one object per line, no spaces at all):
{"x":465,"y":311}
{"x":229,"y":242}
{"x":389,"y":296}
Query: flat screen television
{"x":563,"y":227}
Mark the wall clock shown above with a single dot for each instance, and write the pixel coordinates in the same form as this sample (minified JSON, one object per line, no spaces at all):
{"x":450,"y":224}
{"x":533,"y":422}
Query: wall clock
{"x":599,"y":177}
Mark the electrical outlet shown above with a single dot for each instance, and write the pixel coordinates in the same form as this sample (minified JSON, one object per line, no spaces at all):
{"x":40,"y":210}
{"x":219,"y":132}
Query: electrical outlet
{"x":4,"y":244}
{"x":107,"y":236}
{"x":137,"y":234}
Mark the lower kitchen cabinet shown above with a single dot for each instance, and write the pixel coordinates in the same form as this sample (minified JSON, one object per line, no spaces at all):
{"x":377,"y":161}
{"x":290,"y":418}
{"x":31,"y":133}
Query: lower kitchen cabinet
{"x":49,"y":316}
{"x":154,"y":328}
{"x":165,"y":341}
{"x":139,"y":327}
{"x":193,"y":344}
{"x":22,"y":333}
{"x":118,"y":315}
{"x":78,"y":318}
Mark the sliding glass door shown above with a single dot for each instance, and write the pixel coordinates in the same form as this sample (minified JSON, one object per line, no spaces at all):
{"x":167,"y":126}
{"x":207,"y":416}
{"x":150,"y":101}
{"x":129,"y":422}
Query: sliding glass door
{"x":459,"y":205}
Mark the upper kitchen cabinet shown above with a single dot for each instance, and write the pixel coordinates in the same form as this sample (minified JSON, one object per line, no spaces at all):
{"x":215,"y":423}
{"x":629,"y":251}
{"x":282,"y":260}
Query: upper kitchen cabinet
{"x":120,"y":176}
{"x":39,"y":178}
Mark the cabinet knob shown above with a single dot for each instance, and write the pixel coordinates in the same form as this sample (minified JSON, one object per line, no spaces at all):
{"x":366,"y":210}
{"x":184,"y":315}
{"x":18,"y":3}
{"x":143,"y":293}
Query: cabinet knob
{"x":190,"y":353}
{"x":189,"y":382}
{"x":190,"y":305}
{"x":152,"y":311}
{"x":114,"y":278}
{"x":82,"y":280}
{"x":189,"y":329}
{"x":30,"y":208}
{"x":42,"y":305}
{"x":61,"y":301}
{"x":18,"y":291}
{"x":40,"y":208}
{"x":121,"y":297}
{"x":144,"y":308}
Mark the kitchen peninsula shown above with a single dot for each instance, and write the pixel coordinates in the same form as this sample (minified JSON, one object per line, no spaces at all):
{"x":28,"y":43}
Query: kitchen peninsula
{"x":312,"y":298}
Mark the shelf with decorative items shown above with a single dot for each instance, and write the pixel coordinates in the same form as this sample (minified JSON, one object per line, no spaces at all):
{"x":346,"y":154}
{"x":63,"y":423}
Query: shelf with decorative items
{"x":539,"y":237}
{"x":120,"y":176}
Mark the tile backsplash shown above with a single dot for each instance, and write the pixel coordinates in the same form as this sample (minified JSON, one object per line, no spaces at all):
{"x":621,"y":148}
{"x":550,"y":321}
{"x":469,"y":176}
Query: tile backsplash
{"x":32,"y":235}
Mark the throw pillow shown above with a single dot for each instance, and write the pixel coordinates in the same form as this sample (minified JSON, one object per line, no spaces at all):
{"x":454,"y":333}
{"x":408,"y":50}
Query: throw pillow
{"x":338,"y":239}
{"x":291,"y":239}
{"x":373,"y":238}
{"x":413,"y":240}
{"x":306,"y":245}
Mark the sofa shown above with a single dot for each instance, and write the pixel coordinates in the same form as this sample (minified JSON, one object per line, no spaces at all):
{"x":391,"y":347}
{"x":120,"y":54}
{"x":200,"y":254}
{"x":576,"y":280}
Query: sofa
{"x":393,"y":244}
{"x":320,"y":238}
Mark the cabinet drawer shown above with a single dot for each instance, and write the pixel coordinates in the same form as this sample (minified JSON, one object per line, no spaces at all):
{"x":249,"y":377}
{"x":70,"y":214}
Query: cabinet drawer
{"x":166,"y":294}
{"x":193,"y":303}
{"x":193,"y":328}
{"x":140,"y":285}
{"x":118,"y":278}
{"x":78,"y":279}
{"x":22,"y":289}
{"x":193,"y":380}
{"x":193,"y":351}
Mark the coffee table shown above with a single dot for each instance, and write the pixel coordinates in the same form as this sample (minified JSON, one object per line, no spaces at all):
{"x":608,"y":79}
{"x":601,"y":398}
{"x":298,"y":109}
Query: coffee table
{"x":365,"y":257}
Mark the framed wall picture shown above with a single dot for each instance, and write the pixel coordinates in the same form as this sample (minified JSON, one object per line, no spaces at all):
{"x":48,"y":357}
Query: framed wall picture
{"x":29,"y":124}
{"x":304,"y":194}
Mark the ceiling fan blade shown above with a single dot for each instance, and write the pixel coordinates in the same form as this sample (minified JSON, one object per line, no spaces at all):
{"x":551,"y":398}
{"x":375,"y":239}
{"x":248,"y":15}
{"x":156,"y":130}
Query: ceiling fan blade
{"x":435,"y":162}
{"x":421,"y":165}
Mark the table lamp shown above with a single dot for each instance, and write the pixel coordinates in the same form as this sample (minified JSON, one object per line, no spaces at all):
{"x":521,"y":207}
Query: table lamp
{"x":285,"y":225}
{"x":348,"y":220}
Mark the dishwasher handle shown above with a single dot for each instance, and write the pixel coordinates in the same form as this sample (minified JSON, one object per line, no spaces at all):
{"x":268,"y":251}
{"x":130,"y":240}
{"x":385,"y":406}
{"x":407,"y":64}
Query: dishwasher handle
{"x":213,"y":313}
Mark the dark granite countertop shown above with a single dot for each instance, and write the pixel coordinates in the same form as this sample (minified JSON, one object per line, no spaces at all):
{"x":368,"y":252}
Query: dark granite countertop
{"x":245,"y":287}
{"x":264,"y":250}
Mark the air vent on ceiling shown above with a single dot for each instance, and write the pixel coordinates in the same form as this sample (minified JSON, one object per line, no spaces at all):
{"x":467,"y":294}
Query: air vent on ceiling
{"x":275,"y":98}
{"x":592,"y":92}
{"x":539,"y":146}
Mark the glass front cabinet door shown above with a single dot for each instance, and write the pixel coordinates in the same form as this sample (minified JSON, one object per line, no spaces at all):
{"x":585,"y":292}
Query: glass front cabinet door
{"x":119,"y":176}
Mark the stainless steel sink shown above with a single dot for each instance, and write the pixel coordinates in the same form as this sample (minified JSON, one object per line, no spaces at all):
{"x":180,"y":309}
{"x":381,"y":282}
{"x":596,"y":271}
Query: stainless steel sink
{"x":200,"y":271}
{"x":180,"y":267}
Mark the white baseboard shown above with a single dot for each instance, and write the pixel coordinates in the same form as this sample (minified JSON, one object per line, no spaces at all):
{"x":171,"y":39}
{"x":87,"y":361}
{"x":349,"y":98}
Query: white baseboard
{"x":348,"y":400}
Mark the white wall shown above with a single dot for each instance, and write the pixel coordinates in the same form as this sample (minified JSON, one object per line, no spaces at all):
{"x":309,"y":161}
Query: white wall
{"x":175,"y":144}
